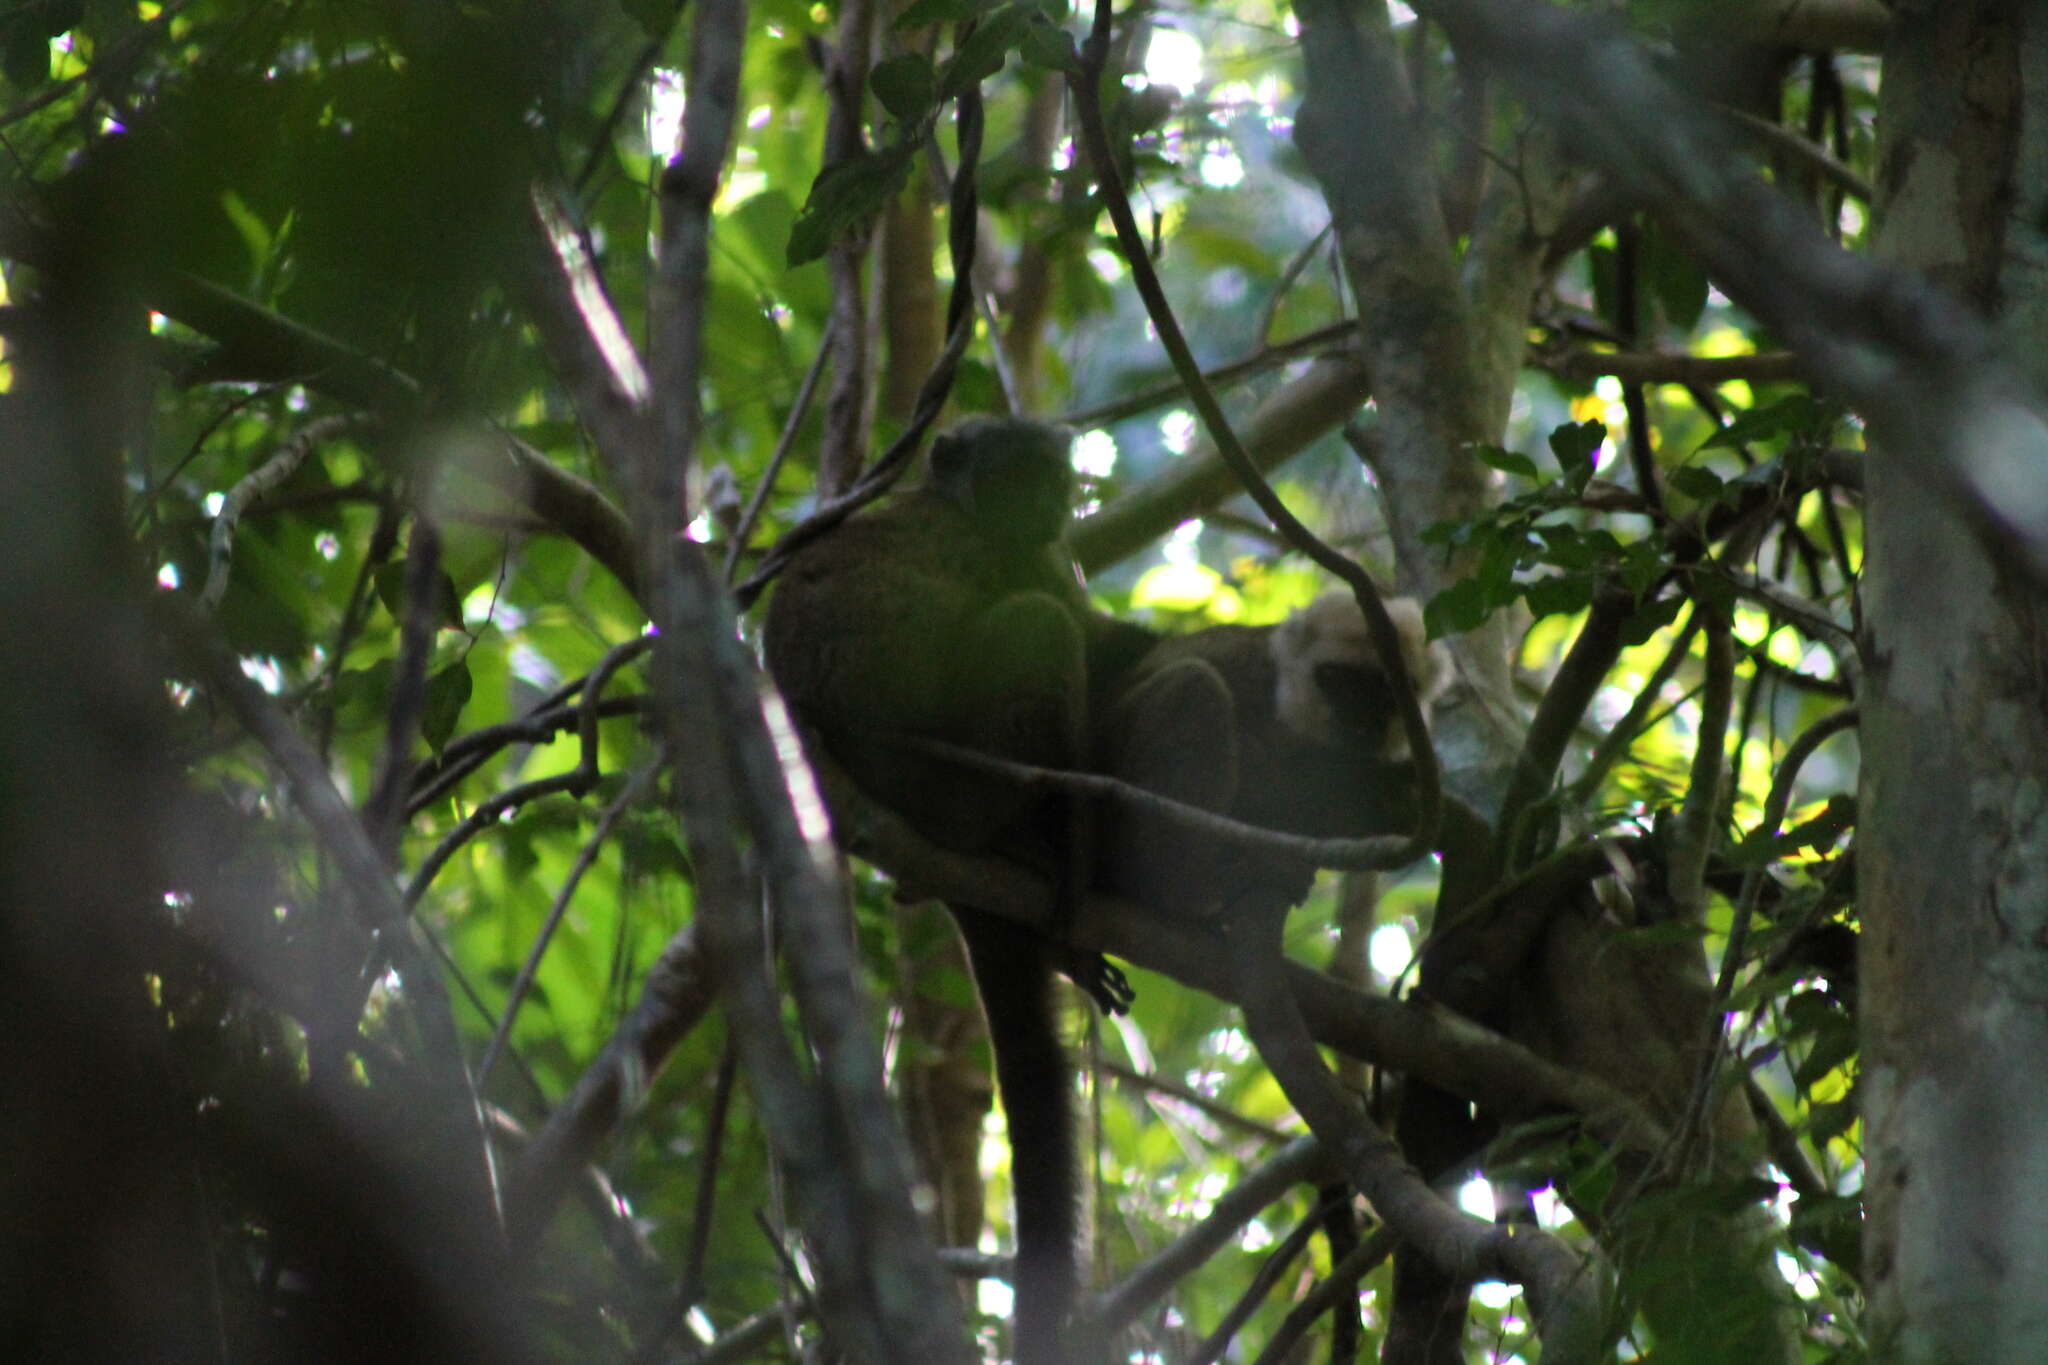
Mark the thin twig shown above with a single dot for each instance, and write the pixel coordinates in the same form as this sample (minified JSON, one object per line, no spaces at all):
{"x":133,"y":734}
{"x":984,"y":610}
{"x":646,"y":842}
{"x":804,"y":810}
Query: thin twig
{"x":635,"y":787}
{"x":1353,"y":855}
{"x":798,"y":410}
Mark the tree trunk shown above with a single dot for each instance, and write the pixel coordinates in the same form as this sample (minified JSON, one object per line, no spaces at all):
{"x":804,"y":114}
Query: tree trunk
{"x":1954,"y":842}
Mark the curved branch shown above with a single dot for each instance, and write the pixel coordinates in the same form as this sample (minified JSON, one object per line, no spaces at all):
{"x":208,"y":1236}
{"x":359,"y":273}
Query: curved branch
{"x":1377,"y":852}
{"x":1565,"y":1288}
{"x":1087,"y":87}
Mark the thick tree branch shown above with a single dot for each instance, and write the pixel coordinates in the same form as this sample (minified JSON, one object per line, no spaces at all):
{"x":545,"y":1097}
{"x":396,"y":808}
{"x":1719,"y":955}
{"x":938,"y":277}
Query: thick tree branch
{"x":1295,"y":414}
{"x":1635,"y":367}
{"x":1418,"y":1039}
{"x":831,"y":1125}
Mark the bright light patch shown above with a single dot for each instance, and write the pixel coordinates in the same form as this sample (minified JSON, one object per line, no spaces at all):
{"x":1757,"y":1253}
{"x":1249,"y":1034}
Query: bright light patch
{"x":1221,"y":167}
{"x":1227,"y":287}
{"x":1803,"y":1281}
{"x":265,"y":674}
{"x":993,"y":1297}
{"x":212,"y":503}
{"x":480,"y":605}
{"x":1109,"y":267}
{"x":1493,"y":1294}
{"x":1180,"y":543}
{"x":739,"y":187}
{"x":1475,"y":1196}
{"x":1094,"y":454}
{"x":167,"y":577}
{"x":1390,"y":950}
{"x":1181,"y":587}
{"x":1610,"y":704}
{"x":1229,"y":1044}
{"x":1177,"y":430}
{"x":327,"y":545}
{"x":758,"y":116}
{"x":664,"y":125}
{"x":531,"y":666}
{"x":811,"y":819}
{"x":1173,"y":58}
{"x":628,"y":376}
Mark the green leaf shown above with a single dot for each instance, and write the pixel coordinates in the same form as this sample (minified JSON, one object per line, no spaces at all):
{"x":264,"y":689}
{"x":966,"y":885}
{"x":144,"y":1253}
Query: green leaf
{"x":1676,"y":277}
{"x":447,"y":693}
{"x":1568,"y":548}
{"x":1048,"y":45}
{"x":947,"y":985}
{"x":1651,"y":617}
{"x":1834,"y":1042}
{"x":1458,"y":608}
{"x":1825,"y":830}
{"x":905,"y":85}
{"x":846,"y":197}
{"x":1509,"y":461}
{"x":925,"y":13}
{"x":389,"y":582}
{"x":1830,"y":1120}
{"x":1808,"y":1012}
{"x":1784,"y":417}
{"x":1452,"y":535}
{"x":1575,"y":443}
{"x":1643,"y":563}
{"x":1696,"y":482}
{"x":360,"y":694}
{"x":1560,"y":595}
{"x":985,"y":51}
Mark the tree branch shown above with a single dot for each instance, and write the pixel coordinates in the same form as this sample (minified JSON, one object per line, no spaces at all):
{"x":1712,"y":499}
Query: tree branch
{"x":1925,"y":372}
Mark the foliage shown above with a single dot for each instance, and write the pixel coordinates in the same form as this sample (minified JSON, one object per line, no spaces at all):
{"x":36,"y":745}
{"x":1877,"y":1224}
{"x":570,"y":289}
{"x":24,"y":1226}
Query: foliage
{"x":362,"y":174}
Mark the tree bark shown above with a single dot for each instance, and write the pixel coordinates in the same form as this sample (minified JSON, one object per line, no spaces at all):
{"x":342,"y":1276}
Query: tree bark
{"x":1954,"y":886}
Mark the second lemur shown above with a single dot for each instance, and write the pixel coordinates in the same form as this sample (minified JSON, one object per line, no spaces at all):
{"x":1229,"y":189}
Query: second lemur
{"x":1292,"y":727}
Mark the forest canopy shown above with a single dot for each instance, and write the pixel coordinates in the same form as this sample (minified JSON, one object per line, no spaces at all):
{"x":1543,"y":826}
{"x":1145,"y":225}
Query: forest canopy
{"x":422,"y":935}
